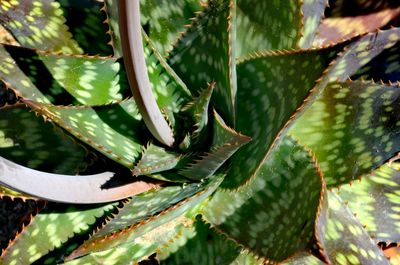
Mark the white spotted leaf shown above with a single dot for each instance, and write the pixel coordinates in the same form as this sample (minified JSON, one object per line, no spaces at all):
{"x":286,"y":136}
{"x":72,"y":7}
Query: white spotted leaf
{"x":342,"y":238}
{"x":274,"y":215}
{"x":38,"y":24}
{"x":205,"y":54}
{"x":374,"y":200}
{"x":352,"y":128}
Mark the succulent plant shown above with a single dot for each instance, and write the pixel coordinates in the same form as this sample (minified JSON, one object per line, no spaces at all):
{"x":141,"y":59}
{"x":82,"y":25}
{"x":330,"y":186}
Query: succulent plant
{"x":201,"y":132}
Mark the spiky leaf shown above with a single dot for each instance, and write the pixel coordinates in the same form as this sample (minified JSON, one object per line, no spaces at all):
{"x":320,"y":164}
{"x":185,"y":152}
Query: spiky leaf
{"x":38,"y":24}
{"x":352,"y":128}
{"x":272,"y":216}
{"x":385,"y":67}
{"x":342,"y":238}
{"x":86,"y":21}
{"x":270,"y":92}
{"x":43,"y":233}
{"x":111,"y":234}
{"x":27,"y":140}
{"x":104,"y":127}
{"x":165,"y":20}
{"x":194,"y":57}
{"x":225,"y":143}
{"x":61,"y":79}
{"x":156,"y":159}
{"x":374,"y":200}
{"x":205,"y":247}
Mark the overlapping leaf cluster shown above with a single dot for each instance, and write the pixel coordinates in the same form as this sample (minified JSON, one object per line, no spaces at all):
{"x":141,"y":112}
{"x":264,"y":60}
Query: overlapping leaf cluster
{"x":279,"y":155}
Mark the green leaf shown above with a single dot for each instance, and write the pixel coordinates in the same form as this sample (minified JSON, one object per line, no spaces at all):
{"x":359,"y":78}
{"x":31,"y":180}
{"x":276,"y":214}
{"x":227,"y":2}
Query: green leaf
{"x":85,"y":20}
{"x":194,"y":57}
{"x":225,"y":143}
{"x":111,"y":9}
{"x":62,"y":79}
{"x":156,"y":159}
{"x":374,"y":200}
{"x":199,"y":110}
{"x":27,"y":140}
{"x":272,"y":216}
{"x":271,"y":88}
{"x":206,"y":247}
{"x":359,"y":54}
{"x":43,"y":234}
{"x":142,"y":247}
{"x":342,"y":238}
{"x":103,"y":127}
{"x":39,"y":25}
{"x":268,"y":25}
{"x":384,"y":67}
{"x":89,"y":80}
{"x":168,"y":88}
{"x":146,"y":212}
{"x":353,"y":127}
{"x":265,"y":126}
{"x":165,"y":20}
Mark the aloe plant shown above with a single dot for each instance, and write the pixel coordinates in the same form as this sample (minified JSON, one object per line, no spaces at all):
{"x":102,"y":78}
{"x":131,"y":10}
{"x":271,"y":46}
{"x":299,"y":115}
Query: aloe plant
{"x":211,"y":132}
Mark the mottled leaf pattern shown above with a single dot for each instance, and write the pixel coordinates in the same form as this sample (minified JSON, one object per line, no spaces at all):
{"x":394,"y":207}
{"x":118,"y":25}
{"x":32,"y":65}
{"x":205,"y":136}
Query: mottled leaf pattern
{"x":89,"y":80}
{"x":44,"y":234}
{"x":105,"y":128}
{"x":28,"y":140}
{"x":168,"y":88}
{"x":164,"y":20}
{"x":342,"y":238}
{"x":270,"y":25}
{"x":199,"y":110}
{"x":352,"y":128}
{"x":205,"y":247}
{"x":375,"y":201}
{"x":109,"y":236}
{"x":272,"y":205}
{"x":155,"y":159}
{"x":38,"y":24}
{"x":203,"y":54}
{"x":86,"y":21}
{"x":225,"y":143}
{"x":385,"y":67}
{"x":270,"y":91}
{"x":272,"y":216}
{"x":62,"y":79}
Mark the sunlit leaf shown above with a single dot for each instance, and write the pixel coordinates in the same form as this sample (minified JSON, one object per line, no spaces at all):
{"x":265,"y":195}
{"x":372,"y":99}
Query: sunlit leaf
{"x":342,"y":238}
{"x":270,"y":91}
{"x":43,"y":233}
{"x":352,"y":128}
{"x":374,"y":200}
{"x":145,"y":214}
{"x":272,"y":216}
{"x":105,"y":128}
{"x":38,"y":24}
{"x":204,"y":54}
